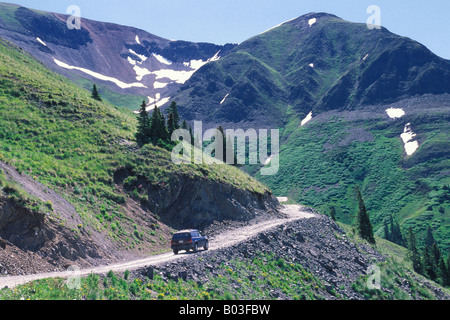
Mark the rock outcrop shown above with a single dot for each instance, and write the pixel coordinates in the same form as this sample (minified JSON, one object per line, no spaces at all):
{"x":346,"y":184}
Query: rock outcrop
{"x":197,"y":203}
{"x":31,"y":243}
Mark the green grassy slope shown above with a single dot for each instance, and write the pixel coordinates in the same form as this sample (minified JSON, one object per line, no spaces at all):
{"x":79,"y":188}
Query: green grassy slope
{"x":56,"y":133}
{"x":321,"y":163}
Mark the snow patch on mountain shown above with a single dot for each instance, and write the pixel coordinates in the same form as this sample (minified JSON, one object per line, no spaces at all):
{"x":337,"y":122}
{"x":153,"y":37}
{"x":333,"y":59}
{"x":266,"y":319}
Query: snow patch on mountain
{"x":140,"y":56}
{"x":162,"y":59}
{"x":99,"y":76}
{"x":223,"y":100}
{"x":41,"y":42}
{"x":138,"y":41}
{"x":278,"y":25}
{"x":182,"y":76}
{"x":407,"y":137}
{"x":131,"y":61}
{"x":307,"y":119}
{"x":173,"y":75}
{"x":159,"y":85}
{"x":141,"y":72}
{"x":156,"y":101}
{"x":395,"y":113}
{"x":312,"y":21}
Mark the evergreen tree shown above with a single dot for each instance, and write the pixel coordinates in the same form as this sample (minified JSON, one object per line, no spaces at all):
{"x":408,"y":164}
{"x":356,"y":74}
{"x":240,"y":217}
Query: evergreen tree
{"x":387,"y":232}
{"x":184,"y":125}
{"x":396,"y":233}
{"x":413,"y":251}
{"x":95,"y":95}
{"x":143,"y":129}
{"x":192,"y":135}
{"x":158,"y":130}
{"x":392,"y":232}
{"x":333,"y":213}
{"x":443,"y":272}
{"x":428,"y":263}
{"x":171,"y":127}
{"x":429,"y":240}
{"x":436,"y":253}
{"x":173,"y":109}
{"x":447,"y":281}
{"x":164,"y":133}
{"x":364,"y":225}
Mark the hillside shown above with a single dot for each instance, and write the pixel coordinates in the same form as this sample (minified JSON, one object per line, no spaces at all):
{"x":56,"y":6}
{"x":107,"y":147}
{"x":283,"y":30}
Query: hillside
{"x":315,"y":63}
{"x":353,"y":105}
{"x":123,"y":200}
{"x":128,"y":64}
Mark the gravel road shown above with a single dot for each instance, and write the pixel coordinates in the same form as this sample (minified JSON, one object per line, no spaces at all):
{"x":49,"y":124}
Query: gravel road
{"x":223,"y":240}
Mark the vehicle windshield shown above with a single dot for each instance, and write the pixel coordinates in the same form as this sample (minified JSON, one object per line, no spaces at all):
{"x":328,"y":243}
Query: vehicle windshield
{"x":178,"y":236}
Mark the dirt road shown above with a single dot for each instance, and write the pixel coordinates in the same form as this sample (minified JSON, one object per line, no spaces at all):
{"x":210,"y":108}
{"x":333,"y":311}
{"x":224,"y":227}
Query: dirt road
{"x":226,"y":239}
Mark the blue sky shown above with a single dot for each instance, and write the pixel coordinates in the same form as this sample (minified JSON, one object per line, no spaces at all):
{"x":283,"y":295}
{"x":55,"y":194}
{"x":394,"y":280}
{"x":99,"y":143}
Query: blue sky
{"x":222,"y":21}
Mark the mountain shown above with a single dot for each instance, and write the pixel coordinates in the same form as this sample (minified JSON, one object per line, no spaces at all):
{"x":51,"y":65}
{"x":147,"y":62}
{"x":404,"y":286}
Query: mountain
{"x":354,"y":107}
{"x":317,"y":62}
{"x":76,"y":189}
{"x":127,"y":64}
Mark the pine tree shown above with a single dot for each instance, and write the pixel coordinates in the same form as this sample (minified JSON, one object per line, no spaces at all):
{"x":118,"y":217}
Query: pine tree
{"x":143,"y":129}
{"x":413,"y":251}
{"x":333,"y":213}
{"x":158,"y":130}
{"x":173,"y":109}
{"x":428,"y":263}
{"x":443,"y":272}
{"x":387,"y":232}
{"x":95,"y":94}
{"x":429,"y":240}
{"x":192,"y":135}
{"x":171,"y":127}
{"x":184,"y":125}
{"x":364,"y":225}
{"x":447,"y":280}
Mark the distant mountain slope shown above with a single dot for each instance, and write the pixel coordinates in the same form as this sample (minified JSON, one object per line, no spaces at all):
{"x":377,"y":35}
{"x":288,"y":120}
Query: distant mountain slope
{"x":353,"y":105}
{"x":317,"y":62}
{"x":120,"y":59}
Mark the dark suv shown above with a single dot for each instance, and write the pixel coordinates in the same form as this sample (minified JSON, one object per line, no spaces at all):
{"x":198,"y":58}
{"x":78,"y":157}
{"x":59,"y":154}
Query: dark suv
{"x":188,"y":240}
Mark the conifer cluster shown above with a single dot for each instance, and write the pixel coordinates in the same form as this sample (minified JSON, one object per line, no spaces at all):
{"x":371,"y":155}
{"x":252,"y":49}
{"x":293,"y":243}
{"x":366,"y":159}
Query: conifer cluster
{"x":154,"y":129}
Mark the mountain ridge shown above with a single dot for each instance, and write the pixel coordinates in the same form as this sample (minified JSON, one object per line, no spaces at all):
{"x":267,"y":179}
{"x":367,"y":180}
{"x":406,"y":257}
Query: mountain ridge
{"x":307,"y":59}
{"x":121,"y":59}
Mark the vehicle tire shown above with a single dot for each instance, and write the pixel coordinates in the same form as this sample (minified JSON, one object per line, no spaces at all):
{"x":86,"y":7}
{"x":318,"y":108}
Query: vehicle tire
{"x":206,"y":246}
{"x":175,"y":251}
{"x":195,"y":247}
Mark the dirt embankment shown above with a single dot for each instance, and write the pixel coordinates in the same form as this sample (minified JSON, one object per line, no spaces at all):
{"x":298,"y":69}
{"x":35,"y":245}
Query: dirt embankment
{"x":32,"y":243}
{"x":29,"y":243}
{"x":197,"y":203}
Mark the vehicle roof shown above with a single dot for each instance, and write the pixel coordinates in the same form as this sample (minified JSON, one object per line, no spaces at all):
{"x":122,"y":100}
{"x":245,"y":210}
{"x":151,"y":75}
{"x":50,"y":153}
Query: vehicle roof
{"x":185,"y":231}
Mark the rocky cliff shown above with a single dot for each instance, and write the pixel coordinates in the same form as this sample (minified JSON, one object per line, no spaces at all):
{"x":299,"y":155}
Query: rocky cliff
{"x":31,"y":243}
{"x":192,"y":202}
